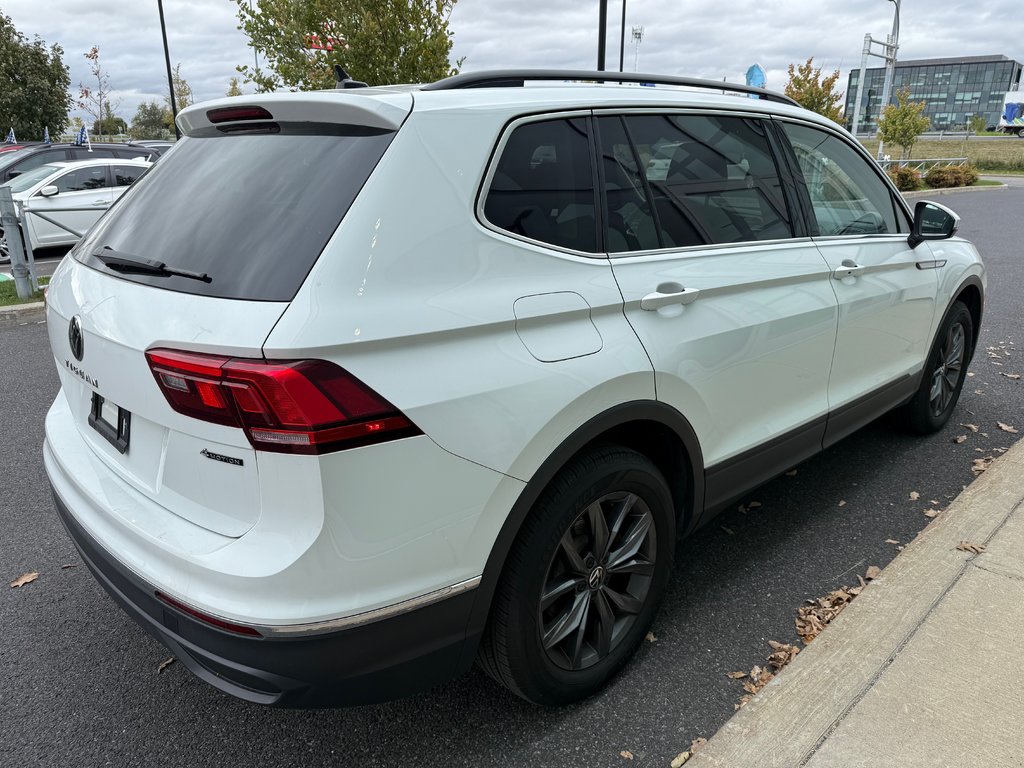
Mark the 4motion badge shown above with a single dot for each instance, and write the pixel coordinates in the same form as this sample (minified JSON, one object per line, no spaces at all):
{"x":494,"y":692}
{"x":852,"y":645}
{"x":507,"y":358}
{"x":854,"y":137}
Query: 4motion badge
{"x":221,"y":457}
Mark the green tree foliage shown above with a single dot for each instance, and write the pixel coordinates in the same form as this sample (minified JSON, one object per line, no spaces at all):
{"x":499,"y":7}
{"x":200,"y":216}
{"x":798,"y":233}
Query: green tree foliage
{"x":814,"y":92}
{"x":33,"y":84}
{"x":977,"y":124}
{"x":150,"y":121}
{"x":183,"y":96}
{"x":377,"y":41}
{"x":234,"y":89}
{"x":110,"y":124}
{"x":901,"y":123}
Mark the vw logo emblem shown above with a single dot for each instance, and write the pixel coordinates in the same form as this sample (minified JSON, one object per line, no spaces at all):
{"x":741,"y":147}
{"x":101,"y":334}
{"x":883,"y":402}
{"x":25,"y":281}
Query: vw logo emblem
{"x":76,"y":339}
{"x":596,"y":577}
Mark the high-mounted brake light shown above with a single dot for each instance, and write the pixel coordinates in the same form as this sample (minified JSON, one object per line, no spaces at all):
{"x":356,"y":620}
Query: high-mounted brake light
{"x":288,"y":406}
{"x":233,"y":114}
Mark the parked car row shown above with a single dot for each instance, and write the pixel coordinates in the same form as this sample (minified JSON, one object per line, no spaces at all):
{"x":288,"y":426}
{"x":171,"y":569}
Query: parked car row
{"x":88,"y":186}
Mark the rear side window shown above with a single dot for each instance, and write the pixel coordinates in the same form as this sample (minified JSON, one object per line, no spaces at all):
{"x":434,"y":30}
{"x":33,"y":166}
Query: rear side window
{"x":713,"y":179}
{"x":543,"y":186}
{"x":124,"y":175}
{"x":630,"y":224}
{"x":252,"y":211}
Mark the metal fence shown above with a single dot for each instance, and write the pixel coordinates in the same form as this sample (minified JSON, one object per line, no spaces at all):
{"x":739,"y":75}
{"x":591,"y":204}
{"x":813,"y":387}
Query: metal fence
{"x":14,"y":220}
{"x":925,"y":165}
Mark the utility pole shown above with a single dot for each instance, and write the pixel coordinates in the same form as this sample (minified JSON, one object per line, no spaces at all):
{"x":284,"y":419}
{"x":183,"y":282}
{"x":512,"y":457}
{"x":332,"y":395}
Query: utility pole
{"x":622,"y":36}
{"x":890,"y":67}
{"x":638,"y":35}
{"x":602,"y":33}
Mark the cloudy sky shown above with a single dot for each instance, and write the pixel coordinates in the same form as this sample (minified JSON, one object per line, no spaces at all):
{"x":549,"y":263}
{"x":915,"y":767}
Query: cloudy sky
{"x":700,"y":39}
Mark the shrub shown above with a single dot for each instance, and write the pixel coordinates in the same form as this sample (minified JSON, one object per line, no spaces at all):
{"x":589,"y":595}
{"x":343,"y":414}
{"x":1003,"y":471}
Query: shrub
{"x":905,"y":179}
{"x":961,"y":176}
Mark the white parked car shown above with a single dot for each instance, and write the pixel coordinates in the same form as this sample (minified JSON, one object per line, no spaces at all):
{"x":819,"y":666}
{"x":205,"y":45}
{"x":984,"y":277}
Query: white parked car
{"x":360,"y":385}
{"x":90,"y":186}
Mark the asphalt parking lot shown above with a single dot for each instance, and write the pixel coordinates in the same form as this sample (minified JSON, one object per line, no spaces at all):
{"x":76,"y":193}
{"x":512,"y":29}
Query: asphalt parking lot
{"x":81,"y":683}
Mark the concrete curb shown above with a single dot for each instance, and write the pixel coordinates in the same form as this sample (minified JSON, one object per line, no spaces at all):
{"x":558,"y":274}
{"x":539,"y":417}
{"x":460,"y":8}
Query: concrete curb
{"x":22,"y":314}
{"x":950,"y":191}
{"x":797,"y":712}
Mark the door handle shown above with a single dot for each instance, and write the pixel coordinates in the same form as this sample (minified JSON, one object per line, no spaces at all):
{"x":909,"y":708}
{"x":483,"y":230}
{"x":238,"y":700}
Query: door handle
{"x":849,"y":268}
{"x":658,"y":299}
{"x":100,"y":202}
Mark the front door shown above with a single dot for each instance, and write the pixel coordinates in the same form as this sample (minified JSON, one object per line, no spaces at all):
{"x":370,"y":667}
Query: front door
{"x":84,"y":189}
{"x":885,"y":289}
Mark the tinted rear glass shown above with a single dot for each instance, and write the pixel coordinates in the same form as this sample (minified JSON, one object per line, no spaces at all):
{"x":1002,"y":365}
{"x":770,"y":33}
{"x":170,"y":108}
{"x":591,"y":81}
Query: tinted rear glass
{"x":251,"y":211}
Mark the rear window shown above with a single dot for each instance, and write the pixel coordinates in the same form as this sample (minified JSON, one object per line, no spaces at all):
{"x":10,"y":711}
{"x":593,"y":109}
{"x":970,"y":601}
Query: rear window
{"x":252,"y":211}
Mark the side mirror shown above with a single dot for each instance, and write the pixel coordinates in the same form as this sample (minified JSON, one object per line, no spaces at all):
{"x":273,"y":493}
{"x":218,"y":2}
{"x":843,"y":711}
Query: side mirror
{"x":932,"y":222}
{"x":49,"y":190}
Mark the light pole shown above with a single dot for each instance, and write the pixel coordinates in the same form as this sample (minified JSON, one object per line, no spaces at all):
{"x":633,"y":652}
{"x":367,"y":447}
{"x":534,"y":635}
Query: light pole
{"x":602,"y":33}
{"x":167,"y":59}
{"x":890,"y":68}
{"x":622,"y":37}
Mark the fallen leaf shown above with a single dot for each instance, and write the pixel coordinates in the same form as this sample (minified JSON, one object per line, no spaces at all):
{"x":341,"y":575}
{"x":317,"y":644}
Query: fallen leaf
{"x":735,"y":675}
{"x":914,"y":495}
{"x":69,"y":565}
{"x":1013,"y":376}
{"x":680,"y":759}
{"x":970,"y":373}
{"x":697,"y":744}
{"x":164,"y":664}
{"x":741,"y":509}
{"x":960,"y":439}
{"x":753,"y":504}
{"x":842,"y":503}
{"x":1007,"y":427}
{"x":728,"y":530}
{"x":891,"y":541}
{"x":931,"y":512}
{"x":980,"y":465}
{"x":934,"y":501}
{"x":626,"y":754}
{"x":873,"y":572}
{"x":791,"y":473}
{"x":650,"y":638}
{"x":974,"y":549}
{"x":25,"y":578}
{"x":783,"y":654}
{"x":972,"y":427}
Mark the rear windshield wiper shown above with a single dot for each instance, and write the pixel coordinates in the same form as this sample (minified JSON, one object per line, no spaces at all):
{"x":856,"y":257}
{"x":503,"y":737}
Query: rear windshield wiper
{"x":126,"y":262}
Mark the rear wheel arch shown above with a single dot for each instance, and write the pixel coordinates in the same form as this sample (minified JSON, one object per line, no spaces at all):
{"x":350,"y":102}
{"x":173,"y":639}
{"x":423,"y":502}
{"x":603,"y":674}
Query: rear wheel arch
{"x":648,"y":427}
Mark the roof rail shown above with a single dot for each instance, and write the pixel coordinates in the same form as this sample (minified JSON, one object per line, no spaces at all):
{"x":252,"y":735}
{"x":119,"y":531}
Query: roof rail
{"x":515,"y":78}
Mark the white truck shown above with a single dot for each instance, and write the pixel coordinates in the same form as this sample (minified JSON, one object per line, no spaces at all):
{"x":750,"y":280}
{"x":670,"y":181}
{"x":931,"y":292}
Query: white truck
{"x":1012,"y":118}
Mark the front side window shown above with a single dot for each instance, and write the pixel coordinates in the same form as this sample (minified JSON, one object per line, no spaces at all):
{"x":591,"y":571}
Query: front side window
{"x":82,"y":180}
{"x":543,"y":185}
{"x":847,"y":196}
{"x":713,"y":179}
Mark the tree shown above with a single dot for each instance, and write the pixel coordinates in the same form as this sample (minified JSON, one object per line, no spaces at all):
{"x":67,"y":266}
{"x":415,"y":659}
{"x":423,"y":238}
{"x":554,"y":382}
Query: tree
{"x":183,"y":96}
{"x":811,"y":91}
{"x":234,"y":89}
{"x":901,"y":123}
{"x":977,"y":124}
{"x":110,"y":124}
{"x":150,"y":121}
{"x":377,"y":41}
{"x":96,"y":100}
{"x":34,"y":92}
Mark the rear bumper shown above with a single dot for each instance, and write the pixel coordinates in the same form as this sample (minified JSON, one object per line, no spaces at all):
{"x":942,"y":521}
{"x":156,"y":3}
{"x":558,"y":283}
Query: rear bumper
{"x":363,"y":664}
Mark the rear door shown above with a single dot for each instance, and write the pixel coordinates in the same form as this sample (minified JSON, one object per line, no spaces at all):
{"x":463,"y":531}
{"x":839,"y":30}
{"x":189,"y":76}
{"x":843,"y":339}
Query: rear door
{"x":730,"y":299}
{"x":885,"y":289}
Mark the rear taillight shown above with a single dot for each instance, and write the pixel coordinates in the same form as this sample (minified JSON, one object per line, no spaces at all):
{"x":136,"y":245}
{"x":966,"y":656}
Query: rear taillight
{"x":290,"y":406}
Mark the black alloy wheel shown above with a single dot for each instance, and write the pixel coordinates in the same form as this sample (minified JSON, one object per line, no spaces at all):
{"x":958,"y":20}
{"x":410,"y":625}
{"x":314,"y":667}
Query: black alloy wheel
{"x":944,"y":373}
{"x":583,"y":580}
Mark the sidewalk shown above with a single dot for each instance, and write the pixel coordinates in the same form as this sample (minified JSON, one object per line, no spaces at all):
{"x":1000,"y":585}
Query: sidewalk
{"x":924,"y":668}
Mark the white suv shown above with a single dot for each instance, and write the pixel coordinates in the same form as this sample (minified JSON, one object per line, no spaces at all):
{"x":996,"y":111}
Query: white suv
{"x":361,"y":385}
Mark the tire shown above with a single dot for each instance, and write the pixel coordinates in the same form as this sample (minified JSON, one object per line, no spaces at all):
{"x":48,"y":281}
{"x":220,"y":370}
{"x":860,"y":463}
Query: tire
{"x":944,"y":373}
{"x":1020,"y":132}
{"x":575,"y":599}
